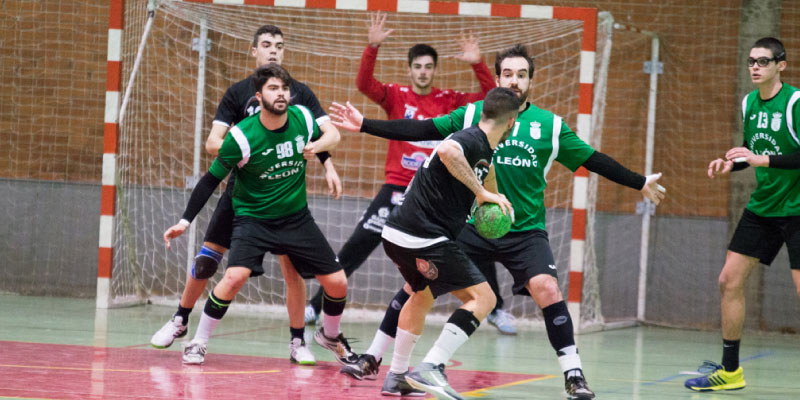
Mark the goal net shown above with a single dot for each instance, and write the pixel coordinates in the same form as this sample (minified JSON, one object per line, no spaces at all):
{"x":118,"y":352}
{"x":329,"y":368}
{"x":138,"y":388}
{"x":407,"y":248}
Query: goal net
{"x":323,"y":50}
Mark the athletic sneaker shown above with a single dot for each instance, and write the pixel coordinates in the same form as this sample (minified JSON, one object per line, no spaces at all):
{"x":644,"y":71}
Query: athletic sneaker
{"x":503,"y":321}
{"x":338,"y":346}
{"x":431,"y":378}
{"x":299,"y":352}
{"x":576,"y":388}
{"x":366,"y":367}
{"x":717,"y":379}
{"x":396,"y":385}
{"x":173,"y":329}
{"x":311,"y":316}
{"x":194,"y":352}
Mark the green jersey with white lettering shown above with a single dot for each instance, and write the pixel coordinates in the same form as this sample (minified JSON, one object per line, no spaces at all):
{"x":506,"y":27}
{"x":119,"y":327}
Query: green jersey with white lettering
{"x":270,"y":168}
{"x":522,"y":161}
{"x":771,"y":128}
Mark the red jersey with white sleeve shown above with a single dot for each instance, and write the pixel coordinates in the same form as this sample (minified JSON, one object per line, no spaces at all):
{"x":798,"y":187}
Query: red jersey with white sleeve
{"x":400,"y":101}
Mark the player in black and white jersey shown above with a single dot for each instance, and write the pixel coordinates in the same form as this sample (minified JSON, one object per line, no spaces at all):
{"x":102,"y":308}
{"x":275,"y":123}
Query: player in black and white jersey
{"x":239,"y":102}
{"x":419,"y":236}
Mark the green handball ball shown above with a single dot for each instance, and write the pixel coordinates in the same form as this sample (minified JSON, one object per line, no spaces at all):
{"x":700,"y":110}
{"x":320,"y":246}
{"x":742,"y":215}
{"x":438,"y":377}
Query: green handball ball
{"x":490,"y":222}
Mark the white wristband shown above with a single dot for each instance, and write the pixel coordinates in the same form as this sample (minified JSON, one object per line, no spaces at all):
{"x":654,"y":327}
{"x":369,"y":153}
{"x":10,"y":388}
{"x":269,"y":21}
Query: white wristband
{"x":184,"y":222}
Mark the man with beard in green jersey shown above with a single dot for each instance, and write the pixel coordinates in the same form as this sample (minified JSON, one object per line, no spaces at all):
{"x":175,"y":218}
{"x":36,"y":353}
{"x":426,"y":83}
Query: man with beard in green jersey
{"x":537,"y":139}
{"x":771,"y":119}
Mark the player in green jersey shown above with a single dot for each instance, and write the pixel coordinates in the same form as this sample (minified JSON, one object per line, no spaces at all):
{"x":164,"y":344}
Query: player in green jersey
{"x":267,"y":151}
{"x":771,"y":122}
{"x":522,"y":161}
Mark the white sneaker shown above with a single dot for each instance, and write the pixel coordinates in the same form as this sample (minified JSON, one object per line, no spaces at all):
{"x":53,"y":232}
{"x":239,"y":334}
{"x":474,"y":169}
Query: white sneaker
{"x":174,"y":328}
{"x":194,"y":352}
{"x":299,"y":352}
{"x":503,"y":321}
{"x":311,"y":316}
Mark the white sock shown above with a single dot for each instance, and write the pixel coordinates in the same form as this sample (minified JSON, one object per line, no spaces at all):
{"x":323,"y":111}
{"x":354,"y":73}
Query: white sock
{"x":331,"y":324}
{"x":205,"y":328}
{"x":403,"y":346}
{"x":451,"y":338}
{"x":380,"y":343}
{"x":569,"y":358}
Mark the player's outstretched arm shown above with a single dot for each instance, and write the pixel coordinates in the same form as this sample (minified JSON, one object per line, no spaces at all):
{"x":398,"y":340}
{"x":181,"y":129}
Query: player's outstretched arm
{"x":200,"y":194}
{"x":612,"y":170}
{"x":365,"y":79}
{"x":347,"y":117}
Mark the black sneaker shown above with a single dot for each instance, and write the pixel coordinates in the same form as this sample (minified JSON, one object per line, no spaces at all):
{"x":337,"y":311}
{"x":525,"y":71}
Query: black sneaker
{"x":365,"y":368}
{"x":396,"y":385}
{"x":338,"y":346}
{"x":577,"y":389}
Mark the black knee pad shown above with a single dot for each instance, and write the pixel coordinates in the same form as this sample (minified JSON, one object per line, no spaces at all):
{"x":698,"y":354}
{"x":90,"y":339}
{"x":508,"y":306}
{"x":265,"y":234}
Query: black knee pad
{"x":204,"y":267}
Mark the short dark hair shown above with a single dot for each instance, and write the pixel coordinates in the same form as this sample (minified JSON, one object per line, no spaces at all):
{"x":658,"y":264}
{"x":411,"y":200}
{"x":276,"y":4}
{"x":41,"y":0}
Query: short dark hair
{"x":271,"y":29}
{"x":419,"y":50}
{"x":517,"y":50}
{"x":264,"y":72}
{"x":500,"y":102}
{"x":772,"y":44}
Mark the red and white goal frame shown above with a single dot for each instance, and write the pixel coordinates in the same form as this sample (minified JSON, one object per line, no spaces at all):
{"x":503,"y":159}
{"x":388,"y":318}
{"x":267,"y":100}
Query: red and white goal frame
{"x":588,"y":16}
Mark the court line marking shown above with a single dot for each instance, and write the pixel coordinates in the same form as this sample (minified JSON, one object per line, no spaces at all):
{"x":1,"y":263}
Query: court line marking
{"x":187,"y":372}
{"x":480,"y":392}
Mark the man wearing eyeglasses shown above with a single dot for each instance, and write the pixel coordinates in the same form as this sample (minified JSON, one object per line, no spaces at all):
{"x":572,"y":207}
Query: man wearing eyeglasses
{"x":771,"y":117}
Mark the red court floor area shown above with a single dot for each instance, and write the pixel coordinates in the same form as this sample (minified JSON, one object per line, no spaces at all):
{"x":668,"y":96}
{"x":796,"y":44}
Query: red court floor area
{"x":51,"y":371}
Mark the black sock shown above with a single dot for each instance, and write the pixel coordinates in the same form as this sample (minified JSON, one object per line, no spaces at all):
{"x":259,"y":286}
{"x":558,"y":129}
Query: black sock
{"x":297,"y":332}
{"x":559,"y":325}
{"x":730,"y":354}
{"x":392,"y":315}
{"x":216,"y":308}
{"x":184,"y":314}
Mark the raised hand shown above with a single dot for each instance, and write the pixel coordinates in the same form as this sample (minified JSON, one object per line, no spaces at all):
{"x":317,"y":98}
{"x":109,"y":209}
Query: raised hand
{"x":471,"y":52}
{"x":376,"y":33}
{"x":346,"y":117}
{"x":743,"y":154}
{"x":652,"y":190}
{"x":719,"y":167}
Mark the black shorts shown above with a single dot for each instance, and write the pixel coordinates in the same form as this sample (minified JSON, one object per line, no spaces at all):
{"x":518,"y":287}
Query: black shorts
{"x":525,"y":254}
{"x":296,"y":235}
{"x":220,"y":228}
{"x":443,"y":267}
{"x":762,"y":237}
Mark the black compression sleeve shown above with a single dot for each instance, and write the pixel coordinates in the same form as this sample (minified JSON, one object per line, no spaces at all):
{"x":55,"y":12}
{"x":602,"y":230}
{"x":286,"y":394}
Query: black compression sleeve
{"x":785,"y":161}
{"x":200,"y":195}
{"x":610,"y":169}
{"x":324,"y":156}
{"x":409,"y":130}
{"x":738,"y":166}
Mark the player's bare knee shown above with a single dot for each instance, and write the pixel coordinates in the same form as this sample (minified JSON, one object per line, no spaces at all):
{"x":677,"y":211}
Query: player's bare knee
{"x":544,"y":289}
{"x":235,"y":278}
{"x":334,"y":284}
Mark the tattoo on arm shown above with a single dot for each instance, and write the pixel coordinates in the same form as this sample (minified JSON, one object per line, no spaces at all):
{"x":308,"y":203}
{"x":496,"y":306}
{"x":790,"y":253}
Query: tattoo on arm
{"x":457,"y":165}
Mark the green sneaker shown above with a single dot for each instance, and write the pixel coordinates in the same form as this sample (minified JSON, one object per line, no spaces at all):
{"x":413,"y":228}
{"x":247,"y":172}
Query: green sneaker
{"x":718,"y":379}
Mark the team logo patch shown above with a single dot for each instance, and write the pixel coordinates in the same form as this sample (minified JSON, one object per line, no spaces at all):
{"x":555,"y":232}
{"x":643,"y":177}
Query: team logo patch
{"x":536,"y":130}
{"x":414,"y":161}
{"x":776,"y":121}
{"x":300,"y":143}
{"x":427,"y":269}
{"x":397,"y":198}
{"x":409,"y":112}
